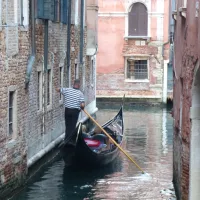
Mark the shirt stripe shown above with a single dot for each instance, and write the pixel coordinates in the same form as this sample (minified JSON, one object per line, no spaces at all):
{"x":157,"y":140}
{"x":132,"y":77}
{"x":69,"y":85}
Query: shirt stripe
{"x":72,"y":97}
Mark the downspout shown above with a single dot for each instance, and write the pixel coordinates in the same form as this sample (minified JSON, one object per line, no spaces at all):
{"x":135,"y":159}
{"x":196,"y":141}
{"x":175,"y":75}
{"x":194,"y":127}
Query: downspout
{"x":82,"y":45}
{"x":69,"y":42}
{"x":82,"y":32}
{"x":46,"y":35}
{"x":31,"y":59}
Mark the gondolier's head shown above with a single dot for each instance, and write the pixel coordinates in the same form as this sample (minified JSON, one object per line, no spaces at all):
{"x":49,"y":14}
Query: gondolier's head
{"x":77,"y":83}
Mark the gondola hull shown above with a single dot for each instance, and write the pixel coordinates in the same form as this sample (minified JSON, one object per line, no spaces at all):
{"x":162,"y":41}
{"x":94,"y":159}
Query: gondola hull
{"x":76,"y":152}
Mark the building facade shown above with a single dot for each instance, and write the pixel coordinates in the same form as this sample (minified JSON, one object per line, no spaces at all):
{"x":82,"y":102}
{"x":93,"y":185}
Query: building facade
{"x":133,"y":49}
{"x":186,"y":111}
{"x":43,"y":45}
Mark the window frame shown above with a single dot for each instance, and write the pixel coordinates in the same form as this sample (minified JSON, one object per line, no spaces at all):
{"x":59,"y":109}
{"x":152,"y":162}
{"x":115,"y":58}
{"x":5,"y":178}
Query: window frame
{"x":40,"y":90}
{"x":76,"y":70}
{"x":49,"y":88}
{"x":131,"y":7}
{"x":48,"y":16}
{"x":61,"y":81}
{"x":63,"y":18}
{"x":13,"y":135}
{"x":136,"y":58}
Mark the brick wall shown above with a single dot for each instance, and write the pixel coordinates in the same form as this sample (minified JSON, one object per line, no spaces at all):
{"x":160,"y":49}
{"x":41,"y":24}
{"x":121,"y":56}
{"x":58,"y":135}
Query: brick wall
{"x":114,"y":83}
{"x":35,"y":129}
{"x":186,"y":56}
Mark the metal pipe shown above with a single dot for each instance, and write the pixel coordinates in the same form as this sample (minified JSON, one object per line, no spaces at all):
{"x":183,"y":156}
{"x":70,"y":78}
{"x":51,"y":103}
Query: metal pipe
{"x":31,"y":59}
{"x":82,"y":32}
{"x":46,"y":44}
{"x":68,"y":40}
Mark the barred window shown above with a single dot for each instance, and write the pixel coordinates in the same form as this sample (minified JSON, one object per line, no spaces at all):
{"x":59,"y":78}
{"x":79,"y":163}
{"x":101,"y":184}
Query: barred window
{"x":137,"y":69}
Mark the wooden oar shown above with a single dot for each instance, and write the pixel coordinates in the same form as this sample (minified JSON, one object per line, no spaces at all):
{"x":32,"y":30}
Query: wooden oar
{"x":113,"y":140}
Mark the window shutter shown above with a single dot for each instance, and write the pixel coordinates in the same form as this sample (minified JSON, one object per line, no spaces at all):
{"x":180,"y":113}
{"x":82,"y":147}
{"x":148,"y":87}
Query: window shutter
{"x":138,"y":20}
{"x":46,"y":9}
{"x":64,"y":4}
{"x":57,"y":10}
{"x":73,"y":12}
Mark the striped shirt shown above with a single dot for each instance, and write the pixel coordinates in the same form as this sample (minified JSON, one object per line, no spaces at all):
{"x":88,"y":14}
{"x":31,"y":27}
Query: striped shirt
{"x":72,"y":97}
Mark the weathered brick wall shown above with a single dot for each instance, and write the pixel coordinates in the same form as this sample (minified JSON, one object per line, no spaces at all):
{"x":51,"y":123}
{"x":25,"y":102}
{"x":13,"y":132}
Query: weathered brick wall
{"x":14,"y":49}
{"x":186,"y":55}
{"x":114,"y":83}
{"x":36,"y":129}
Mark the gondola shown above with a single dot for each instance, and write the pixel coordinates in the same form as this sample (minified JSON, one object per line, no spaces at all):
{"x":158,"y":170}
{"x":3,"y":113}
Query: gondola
{"x":94,"y":150}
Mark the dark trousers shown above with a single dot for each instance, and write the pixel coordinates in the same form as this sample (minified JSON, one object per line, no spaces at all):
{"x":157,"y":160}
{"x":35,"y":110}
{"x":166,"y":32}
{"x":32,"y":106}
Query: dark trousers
{"x":71,"y":118}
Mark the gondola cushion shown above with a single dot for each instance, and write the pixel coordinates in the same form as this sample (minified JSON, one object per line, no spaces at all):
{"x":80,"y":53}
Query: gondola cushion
{"x":92,"y":143}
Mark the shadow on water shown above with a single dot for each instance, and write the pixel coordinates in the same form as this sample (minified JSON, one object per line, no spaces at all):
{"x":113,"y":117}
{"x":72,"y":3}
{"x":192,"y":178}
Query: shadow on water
{"x":61,"y":182}
{"x":79,"y":184}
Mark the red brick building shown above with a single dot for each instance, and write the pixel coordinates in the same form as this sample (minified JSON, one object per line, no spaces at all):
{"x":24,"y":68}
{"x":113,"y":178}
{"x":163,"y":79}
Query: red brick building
{"x":133,"y":49}
{"x":42,"y":46}
{"x":186,"y":111}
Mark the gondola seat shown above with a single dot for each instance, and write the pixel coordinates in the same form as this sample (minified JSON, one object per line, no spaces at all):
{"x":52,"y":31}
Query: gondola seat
{"x":101,"y":137}
{"x":92,"y":143}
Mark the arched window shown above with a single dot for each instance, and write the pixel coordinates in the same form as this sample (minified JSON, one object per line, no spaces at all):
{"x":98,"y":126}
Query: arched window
{"x":138,"y":20}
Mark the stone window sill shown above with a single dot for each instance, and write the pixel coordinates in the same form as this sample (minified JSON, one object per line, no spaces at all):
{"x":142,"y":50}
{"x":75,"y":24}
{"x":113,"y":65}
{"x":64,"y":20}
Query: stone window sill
{"x":136,"y":81}
{"x":137,"y":37}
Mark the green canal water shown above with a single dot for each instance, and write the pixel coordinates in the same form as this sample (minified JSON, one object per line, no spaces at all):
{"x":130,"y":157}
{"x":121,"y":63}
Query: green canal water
{"x":149,"y":141}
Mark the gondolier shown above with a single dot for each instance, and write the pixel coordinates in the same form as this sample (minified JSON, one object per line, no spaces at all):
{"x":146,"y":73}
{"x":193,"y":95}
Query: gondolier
{"x":73,"y":102}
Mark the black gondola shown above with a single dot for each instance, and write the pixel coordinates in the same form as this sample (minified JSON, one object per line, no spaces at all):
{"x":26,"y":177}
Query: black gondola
{"x":89,"y":149}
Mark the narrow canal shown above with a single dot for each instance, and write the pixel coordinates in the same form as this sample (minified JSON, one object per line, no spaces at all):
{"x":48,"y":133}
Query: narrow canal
{"x":149,"y":141}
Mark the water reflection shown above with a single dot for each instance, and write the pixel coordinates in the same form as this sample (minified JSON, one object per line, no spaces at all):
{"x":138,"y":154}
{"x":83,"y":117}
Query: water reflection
{"x":148,"y":141}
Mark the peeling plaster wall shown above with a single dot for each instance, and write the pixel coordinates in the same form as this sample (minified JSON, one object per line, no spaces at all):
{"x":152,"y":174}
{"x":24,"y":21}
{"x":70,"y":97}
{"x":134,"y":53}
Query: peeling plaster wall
{"x":115,"y":47}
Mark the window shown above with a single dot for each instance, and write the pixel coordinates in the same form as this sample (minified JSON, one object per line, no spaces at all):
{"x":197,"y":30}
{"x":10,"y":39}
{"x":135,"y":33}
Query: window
{"x":11,"y":102}
{"x":76,"y":71}
{"x":137,"y":69}
{"x":45,"y":9}
{"x":63,"y":11}
{"x":49,"y":87}
{"x":138,"y":20}
{"x":185,"y":3}
{"x":92,"y":69}
{"x":39,"y":89}
{"x":24,"y":13}
{"x":61,"y":80}
{"x":12,"y":111}
{"x":57,"y":11}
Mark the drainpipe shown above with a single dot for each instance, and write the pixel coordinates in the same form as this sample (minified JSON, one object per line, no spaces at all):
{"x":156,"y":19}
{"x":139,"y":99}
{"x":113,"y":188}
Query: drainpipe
{"x":69,"y":42}
{"x":82,"y":32}
{"x":82,"y":43}
{"x":31,"y":59}
{"x":46,"y":27}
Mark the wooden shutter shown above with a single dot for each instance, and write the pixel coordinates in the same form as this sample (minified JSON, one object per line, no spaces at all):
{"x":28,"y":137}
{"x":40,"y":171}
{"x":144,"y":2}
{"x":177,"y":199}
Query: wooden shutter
{"x":64,"y":4}
{"x":45,"y":9}
{"x":73,"y":12}
{"x":138,"y":20}
{"x":57,"y":10}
